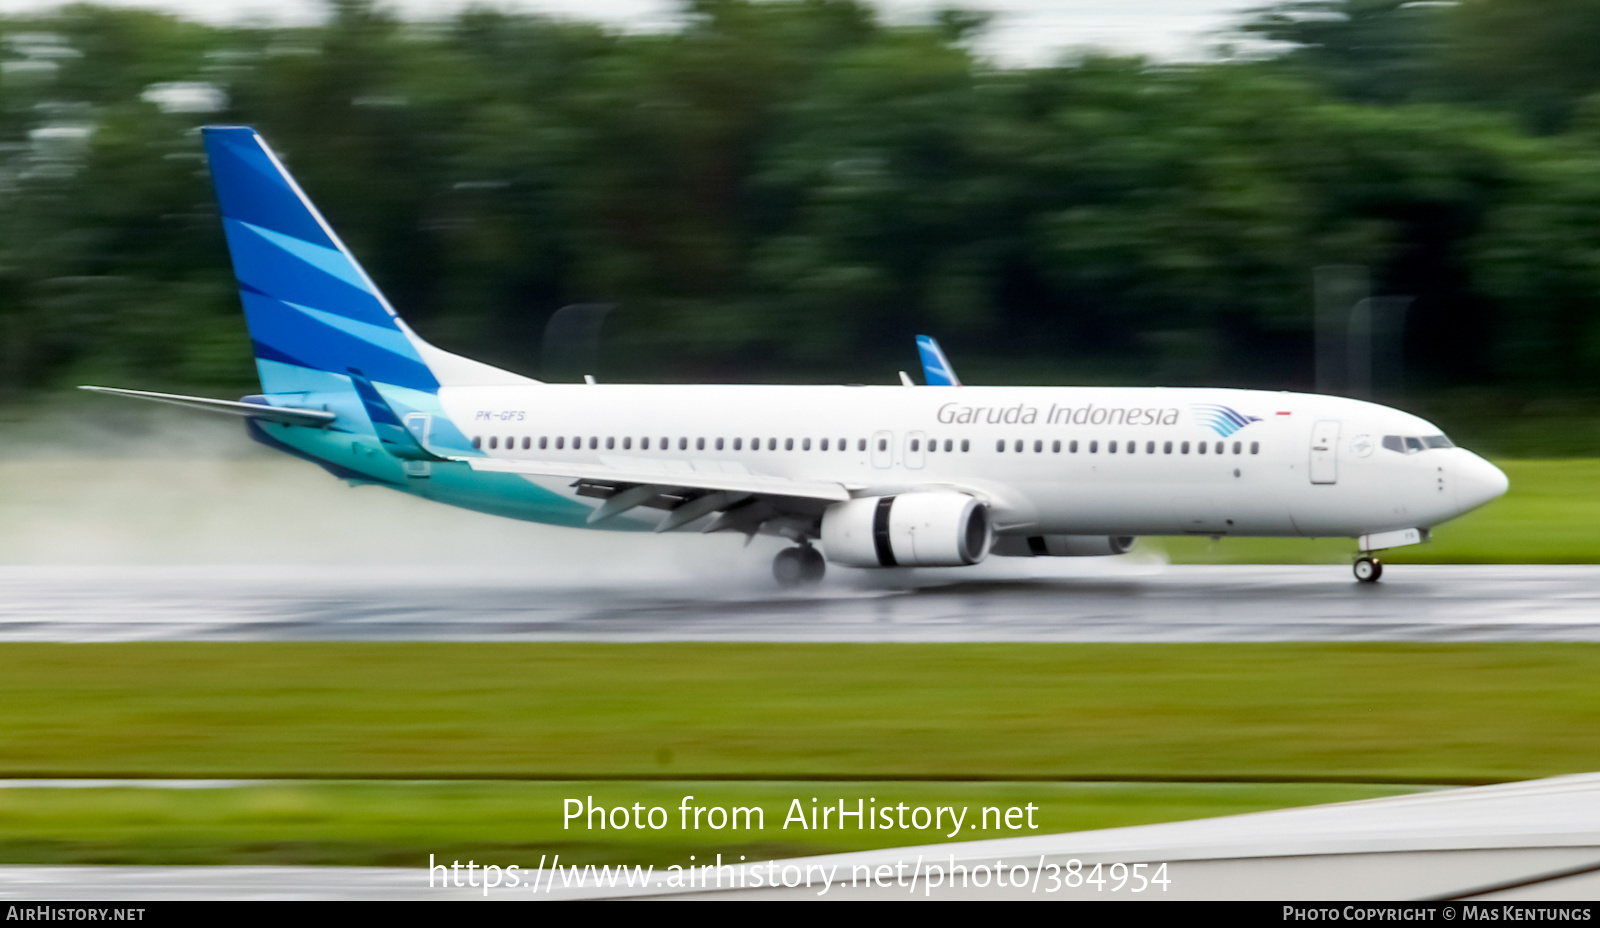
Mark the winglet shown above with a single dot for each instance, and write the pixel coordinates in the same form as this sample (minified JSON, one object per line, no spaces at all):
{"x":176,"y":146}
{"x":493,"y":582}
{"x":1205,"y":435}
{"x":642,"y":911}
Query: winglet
{"x":936,"y":370}
{"x":392,"y":433}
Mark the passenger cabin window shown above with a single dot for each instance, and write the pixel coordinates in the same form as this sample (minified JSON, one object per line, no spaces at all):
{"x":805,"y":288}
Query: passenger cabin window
{"x":494,"y":442}
{"x":824,"y":446}
{"x":1237,"y":447}
{"x":627,"y":443}
{"x":1202,"y":448}
{"x":998,"y":446}
{"x":683,"y":444}
{"x":965,"y":444}
{"x":738,"y":443}
{"x":1255,"y":447}
{"x":594,"y":442}
{"x":1073,"y":448}
{"x":611,"y":444}
{"x":805,"y":444}
{"x":1055,"y":446}
{"x":644,"y":443}
{"x":1094,"y":447}
{"x":1184,"y":447}
{"x":699,"y":444}
{"x":719,"y":444}
{"x":844,"y":445}
{"x":477,"y":441}
{"x":788,"y":444}
{"x":1038,"y":446}
{"x":544,"y":442}
{"x":861,"y":444}
{"x":1111,"y":448}
{"x":1149,"y":447}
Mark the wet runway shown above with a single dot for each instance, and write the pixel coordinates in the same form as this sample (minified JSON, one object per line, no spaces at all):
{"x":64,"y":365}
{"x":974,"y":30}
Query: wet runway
{"x":1079,"y":601}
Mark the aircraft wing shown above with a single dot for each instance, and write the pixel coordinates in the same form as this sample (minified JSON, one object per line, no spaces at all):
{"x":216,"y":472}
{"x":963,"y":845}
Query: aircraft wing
{"x":640,"y":472}
{"x":746,"y":500}
{"x":286,"y":415}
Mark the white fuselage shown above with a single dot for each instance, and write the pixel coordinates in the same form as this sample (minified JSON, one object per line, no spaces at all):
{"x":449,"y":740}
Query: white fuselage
{"x":1048,"y":460}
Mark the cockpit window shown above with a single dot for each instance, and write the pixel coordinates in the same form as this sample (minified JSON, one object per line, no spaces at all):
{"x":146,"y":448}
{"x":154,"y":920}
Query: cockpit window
{"x":1411,"y":444}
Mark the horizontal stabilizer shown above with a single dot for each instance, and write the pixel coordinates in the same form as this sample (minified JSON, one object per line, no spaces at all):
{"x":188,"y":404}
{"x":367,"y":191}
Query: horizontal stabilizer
{"x":285,"y":414}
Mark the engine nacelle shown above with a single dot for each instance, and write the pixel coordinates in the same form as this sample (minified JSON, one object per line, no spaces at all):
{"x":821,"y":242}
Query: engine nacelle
{"x":934,"y":529}
{"x":1063,"y":545}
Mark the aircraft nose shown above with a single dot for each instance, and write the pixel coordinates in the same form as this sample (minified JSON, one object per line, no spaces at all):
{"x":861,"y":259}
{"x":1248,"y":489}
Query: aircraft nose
{"x":1478,"y":482}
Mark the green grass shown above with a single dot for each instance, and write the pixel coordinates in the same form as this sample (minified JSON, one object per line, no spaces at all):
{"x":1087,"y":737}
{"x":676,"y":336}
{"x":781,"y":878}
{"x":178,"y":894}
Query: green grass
{"x":367,"y":823}
{"x":1551,"y":515}
{"x":502,"y":733}
{"x":1426,"y":713}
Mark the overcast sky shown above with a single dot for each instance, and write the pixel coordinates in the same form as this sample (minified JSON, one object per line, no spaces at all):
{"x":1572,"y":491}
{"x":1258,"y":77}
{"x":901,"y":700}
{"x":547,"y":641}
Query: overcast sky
{"x":1024,"y":31}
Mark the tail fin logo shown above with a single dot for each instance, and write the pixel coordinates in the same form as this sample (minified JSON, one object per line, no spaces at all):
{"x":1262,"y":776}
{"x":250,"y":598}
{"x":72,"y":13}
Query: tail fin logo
{"x":936,"y":369}
{"x":310,"y":307}
{"x":1223,"y":420}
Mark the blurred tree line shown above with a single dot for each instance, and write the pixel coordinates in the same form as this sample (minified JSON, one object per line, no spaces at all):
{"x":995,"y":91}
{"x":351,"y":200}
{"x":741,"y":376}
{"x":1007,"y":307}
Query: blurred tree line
{"x":791,"y":189}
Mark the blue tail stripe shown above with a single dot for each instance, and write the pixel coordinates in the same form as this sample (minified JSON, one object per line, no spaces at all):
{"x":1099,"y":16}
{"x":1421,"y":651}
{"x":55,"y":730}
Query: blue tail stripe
{"x":387,"y":339}
{"x":329,"y":260}
{"x":265,"y":352}
{"x":250,"y":187}
{"x":266,"y":268}
{"x":293,"y":334}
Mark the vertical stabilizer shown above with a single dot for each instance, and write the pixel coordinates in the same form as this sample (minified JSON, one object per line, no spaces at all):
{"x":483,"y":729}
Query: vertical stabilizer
{"x":312,"y":310}
{"x":936,"y":369}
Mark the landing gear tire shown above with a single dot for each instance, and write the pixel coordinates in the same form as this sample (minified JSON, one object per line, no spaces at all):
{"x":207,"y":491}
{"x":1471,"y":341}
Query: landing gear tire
{"x":1367,"y":569}
{"x":800,"y":566}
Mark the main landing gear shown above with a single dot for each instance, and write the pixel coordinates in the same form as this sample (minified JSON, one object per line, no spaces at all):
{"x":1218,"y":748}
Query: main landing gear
{"x":801,"y":566}
{"x":1367,"y":568}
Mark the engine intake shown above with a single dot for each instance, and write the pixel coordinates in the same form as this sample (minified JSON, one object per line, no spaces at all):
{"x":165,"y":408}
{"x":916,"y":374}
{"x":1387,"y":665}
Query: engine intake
{"x":934,"y":529}
{"x":1063,"y":545}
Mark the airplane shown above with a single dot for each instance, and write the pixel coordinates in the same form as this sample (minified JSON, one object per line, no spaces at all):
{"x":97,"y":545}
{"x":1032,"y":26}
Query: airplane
{"x":933,"y":475}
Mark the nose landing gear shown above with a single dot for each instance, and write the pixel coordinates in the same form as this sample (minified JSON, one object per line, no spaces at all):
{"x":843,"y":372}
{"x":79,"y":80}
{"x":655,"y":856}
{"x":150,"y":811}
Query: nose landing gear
{"x":800,"y":566}
{"x":1367,"y":568}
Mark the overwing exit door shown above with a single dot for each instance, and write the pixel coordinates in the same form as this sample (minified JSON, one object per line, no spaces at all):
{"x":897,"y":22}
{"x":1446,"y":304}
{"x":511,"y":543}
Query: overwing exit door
{"x":883,"y":450}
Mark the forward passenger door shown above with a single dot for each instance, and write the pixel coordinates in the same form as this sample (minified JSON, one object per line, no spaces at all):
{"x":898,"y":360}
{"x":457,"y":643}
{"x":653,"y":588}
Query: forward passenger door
{"x":1325,"y":452}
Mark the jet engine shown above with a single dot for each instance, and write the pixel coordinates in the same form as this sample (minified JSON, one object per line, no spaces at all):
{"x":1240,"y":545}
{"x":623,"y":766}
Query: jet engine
{"x":1063,"y":545}
{"x":932,"y":529}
